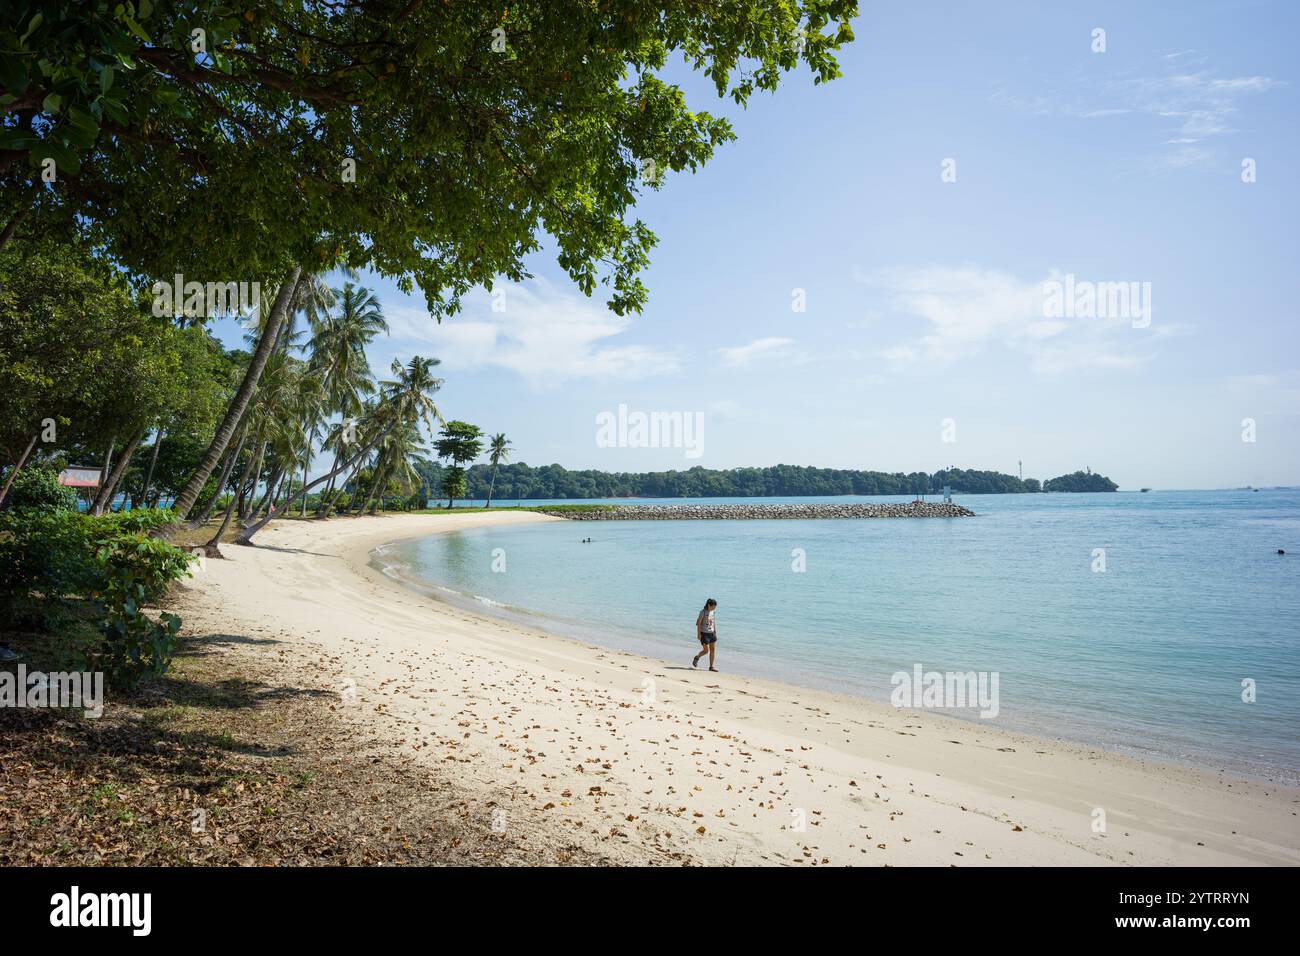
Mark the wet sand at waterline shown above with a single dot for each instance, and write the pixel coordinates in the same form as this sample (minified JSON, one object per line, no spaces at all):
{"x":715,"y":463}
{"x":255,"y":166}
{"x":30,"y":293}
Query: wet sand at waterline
{"x":652,"y":762}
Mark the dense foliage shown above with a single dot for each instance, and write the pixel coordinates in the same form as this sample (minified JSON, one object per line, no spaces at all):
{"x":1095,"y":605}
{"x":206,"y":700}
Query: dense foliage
{"x":1080,"y":481}
{"x":87,"y":371}
{"x":53,"y":561}
{"x":471,"y":128}
{"x":37,"y":488}
{"x":521,"y":481}
{"x":435,"y":143}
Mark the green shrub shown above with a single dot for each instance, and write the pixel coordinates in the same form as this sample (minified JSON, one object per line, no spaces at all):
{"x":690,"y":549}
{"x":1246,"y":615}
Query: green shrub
{"x":49,"y":559}
{"x":134,"y":570}
{"x":37,"y":488}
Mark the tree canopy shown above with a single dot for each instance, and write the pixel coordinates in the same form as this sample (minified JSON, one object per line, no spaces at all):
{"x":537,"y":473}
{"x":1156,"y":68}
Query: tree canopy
{"x":434,"y":142}
{"x":522,"y":481}
{"x":1080,"y":481}
{"x":78,"y":349}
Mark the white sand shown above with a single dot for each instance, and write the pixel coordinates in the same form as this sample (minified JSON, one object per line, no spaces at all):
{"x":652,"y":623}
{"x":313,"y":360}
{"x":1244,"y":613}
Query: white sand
{"x":716,"y":768}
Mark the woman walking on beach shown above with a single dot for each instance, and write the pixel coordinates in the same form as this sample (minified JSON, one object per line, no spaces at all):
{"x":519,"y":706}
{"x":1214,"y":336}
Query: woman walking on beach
{"x":707,"y":631}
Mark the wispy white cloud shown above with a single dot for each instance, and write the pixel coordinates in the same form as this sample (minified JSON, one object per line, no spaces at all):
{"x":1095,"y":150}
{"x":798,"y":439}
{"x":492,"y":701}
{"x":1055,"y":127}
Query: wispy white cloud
{"x":740,"y":355}
{"x":1187,"y":108}
{"x":966,"y":310}
{"x":544,"y":334}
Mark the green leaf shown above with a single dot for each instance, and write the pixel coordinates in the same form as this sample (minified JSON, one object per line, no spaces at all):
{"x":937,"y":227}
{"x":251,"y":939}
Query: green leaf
{"x":13,"y":73}
{"x":11,"y":137}
{"x":114,"y":110}
{"x":52,"y":103}
{"x":135,"y":27}
{"x":105,"y":78}
{"x":32,"y":26}
{"x":64,"y":159}
{"x":81,"y":134}
{"x":83,"y":126}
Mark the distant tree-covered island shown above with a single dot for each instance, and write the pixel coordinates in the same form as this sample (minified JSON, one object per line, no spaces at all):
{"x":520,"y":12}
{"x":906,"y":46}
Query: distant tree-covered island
{"x":1081,"y":481}
{"x":520,"y":481}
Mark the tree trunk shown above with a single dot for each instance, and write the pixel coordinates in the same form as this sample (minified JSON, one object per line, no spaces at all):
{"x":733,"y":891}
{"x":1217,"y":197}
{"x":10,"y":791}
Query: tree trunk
{"x":339,"y":491}
{"x":306,"y":463}
{"x":108,"y":460}
{"x":108,"y":488}
{"x":374,"y":486}
{"x":11,"y":227}
{"x":225,"y":523}
{"x":328,"y":494}
{"x":212,"y":545}
{"x":247,"y":534}
{"x":271,"y":485}
{"x":153,"y":460}
{"x":235,"y":413}
{"x":491,"y":486}
{"x":256,"y":472}
{"x":13,"y":472}
{"x":381,"y":487}
{"x":229,"y":466}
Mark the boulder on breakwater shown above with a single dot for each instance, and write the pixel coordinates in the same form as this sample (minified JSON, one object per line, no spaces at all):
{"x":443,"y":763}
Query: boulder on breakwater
{"x":908,"y":509}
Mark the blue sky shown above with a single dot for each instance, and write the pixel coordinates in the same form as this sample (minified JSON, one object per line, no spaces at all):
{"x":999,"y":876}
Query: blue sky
{"x":924,"y":298}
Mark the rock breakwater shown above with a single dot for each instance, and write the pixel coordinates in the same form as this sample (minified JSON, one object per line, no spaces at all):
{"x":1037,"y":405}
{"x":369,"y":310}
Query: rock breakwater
{"x":909,"y":509}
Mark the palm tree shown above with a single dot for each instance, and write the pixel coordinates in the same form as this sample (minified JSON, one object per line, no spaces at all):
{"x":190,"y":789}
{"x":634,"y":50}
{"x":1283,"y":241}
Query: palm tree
{"x":498,"y":451}
{"x":393,"y":461}
{"x":409,"y":395}
{"x":313,"y":298}
{"x":244,"y":394}
{"x":408,"y":398}
{"x":338,"y":347}
{"x":338,"y":358}
{"x":272,"y":420}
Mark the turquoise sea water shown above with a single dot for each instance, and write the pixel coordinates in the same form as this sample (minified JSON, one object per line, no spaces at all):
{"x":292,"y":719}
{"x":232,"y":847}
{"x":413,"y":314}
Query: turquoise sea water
{"x":1146,"y":656}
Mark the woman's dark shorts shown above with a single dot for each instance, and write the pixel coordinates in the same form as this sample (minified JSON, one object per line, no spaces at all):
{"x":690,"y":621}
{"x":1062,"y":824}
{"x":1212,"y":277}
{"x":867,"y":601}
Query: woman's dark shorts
{"x":706,"y":638}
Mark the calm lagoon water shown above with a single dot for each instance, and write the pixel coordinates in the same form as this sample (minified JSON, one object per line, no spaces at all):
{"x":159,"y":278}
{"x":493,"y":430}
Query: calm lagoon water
{"x":1147,"y":656}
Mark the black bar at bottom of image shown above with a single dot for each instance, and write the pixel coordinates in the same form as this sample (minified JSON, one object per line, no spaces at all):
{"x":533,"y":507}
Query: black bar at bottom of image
{"x":305,"y":905}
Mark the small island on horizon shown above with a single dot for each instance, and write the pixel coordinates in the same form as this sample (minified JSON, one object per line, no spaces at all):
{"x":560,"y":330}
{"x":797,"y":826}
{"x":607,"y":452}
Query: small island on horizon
{"x":520,"y":481}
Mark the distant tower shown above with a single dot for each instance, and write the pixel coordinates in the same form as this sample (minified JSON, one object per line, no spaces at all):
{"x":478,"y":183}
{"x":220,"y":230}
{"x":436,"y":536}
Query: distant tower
{"x":1022,"y":470}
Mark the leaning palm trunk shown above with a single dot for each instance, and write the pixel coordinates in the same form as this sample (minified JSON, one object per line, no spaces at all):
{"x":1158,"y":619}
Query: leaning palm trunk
{"x":13,"y":472}
{"x":225,"y":523}
{"x":153,"y":461}
{"x":271,"y":486}
{"x":374,"y":487}
{"x":247,"y":534}
{"x":491,"y":487}
{"x":327,"y":496}
{"x":108,"y":460}
{"x":343,"y":487}
{"x":211,"y":546}
{"x":306,"y":463}
{"x":221,"y":482}
{"x":105,"y":474}
{"x":374,"y":503}
{"x":235,"y":413}
{"x":109,"y":488}
{"x":359,"y":504}
{"x":256,"y":473}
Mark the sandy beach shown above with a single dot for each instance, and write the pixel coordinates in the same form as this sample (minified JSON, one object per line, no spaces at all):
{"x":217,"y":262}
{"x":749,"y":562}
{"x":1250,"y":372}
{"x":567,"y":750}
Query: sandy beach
{"x":651,"y":762}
